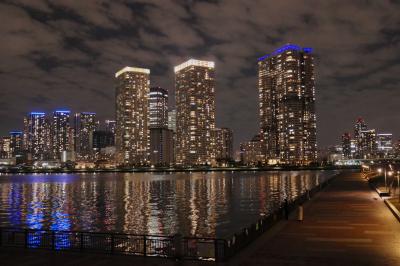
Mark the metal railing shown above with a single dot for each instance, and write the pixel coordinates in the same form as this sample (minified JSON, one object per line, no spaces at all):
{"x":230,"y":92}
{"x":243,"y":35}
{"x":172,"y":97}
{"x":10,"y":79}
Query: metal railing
{"x":178,"y":247}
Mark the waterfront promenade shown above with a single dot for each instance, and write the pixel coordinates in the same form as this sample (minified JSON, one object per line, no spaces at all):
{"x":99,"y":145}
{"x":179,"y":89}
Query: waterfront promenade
{"x":345,"y":224}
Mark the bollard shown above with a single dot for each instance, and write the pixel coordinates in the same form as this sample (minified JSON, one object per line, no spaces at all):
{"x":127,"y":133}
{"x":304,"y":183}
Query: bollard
{"x":300,"y":213}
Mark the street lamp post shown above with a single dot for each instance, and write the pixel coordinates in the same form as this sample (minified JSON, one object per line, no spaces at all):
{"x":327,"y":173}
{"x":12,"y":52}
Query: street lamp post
{"x":398,"y":183}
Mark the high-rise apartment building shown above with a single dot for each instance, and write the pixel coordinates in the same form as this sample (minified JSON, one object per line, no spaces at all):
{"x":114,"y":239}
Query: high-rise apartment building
{"x":5,"y":147}
{"x":384,"y":144}
{"x":16,"y":139}
{"x":358,"y":127}
{"x":60,"y":133}
{"x":110,"y":126}
{"x":37,"y":135}
{"x":85,"y":125}
{"x":368,"y":146}
{"x":161,"y":146}
{"x":195,"y":111}
{"x":132,"y":116}
{"x":223,"y":144}
{"x":346,"y":145}
{"x":158,"y":108}
{"x":251,"y":151}
{"x":287,"y":105}
{"x":172,"y":120}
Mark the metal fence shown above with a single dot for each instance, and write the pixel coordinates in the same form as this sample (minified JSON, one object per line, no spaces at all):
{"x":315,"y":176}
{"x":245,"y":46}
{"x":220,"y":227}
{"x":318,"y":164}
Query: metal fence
{"x":191,"y":248}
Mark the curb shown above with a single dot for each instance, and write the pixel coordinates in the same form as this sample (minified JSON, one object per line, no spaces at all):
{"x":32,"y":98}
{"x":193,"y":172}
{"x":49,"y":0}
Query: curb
{"x":393,"y":209}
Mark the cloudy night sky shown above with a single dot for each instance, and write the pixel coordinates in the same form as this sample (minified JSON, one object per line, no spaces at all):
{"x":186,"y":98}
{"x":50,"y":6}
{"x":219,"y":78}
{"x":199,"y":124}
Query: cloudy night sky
{"x":63,"y":54}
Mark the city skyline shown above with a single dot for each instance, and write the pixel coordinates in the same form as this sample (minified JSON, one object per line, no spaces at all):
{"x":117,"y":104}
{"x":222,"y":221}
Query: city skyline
{"x":72,"y":49}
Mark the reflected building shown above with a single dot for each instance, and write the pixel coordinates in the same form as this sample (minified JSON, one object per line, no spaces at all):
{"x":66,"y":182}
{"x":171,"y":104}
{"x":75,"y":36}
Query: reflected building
{"x":286,"y":85}
{"x":132,"y":116}
{"x":195,"y":111}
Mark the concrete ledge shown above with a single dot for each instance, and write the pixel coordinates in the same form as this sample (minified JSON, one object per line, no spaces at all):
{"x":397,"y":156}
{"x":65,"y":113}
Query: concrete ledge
{"x":380,"y":193}
{"x":393,"y":209}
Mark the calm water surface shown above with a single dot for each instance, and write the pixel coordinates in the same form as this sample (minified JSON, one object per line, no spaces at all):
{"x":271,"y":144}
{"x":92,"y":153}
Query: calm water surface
{"x":202,"y":204}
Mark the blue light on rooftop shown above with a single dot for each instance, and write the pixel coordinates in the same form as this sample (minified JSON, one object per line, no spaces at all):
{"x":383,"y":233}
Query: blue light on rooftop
{"x":63,"y":111}
{"x":88,"y":113}
{"x":37,"y":113}
{"x":15,"y":132}
{"x":284,"y":48}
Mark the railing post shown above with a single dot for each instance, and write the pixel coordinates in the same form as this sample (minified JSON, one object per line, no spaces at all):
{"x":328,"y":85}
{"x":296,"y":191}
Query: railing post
{"x":216,"y":250}
{"x":26,"y":238}
{"x":53,"y":240}
{"x":144,"y":246}
{"x":112,"y":243}
{"x":81,"y":241}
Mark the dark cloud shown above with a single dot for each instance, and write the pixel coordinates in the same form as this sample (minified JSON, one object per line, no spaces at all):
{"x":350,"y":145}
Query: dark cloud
{"x":64,"y":54}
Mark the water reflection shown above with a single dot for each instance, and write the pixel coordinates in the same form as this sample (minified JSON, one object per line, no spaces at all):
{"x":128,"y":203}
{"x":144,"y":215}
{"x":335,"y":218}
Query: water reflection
{"x":202,"y":204}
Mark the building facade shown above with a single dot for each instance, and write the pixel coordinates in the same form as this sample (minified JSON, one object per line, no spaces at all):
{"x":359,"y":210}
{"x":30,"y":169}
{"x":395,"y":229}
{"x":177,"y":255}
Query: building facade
{"x":251,"y":152}
{"x":195,"y":112}
{"x":132,"y":116}
{"x":172,"y":120}
{"x":223,"y":144}
{"x":358,"y":128}
{"x":60,"y":133}
{"x":16,"y":143}
{"x":346,"y":146}
{"x":368,"y":146}
{"x":85,"y":125}
{"x":158,"y":108}
{"x":384,"y":143}
{"x":286,"y":86}
{"x":37,"y":133}
{"x":161,"y":147}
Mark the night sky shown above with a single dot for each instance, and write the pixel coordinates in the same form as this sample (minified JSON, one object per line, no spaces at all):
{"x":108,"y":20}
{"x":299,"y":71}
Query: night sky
{"x":63,"y":54}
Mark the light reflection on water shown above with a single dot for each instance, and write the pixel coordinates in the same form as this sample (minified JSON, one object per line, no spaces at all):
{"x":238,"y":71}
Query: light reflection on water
{"x":202,"y":204}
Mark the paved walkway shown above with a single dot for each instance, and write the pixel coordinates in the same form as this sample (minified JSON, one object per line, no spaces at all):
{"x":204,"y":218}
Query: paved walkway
{"x":346,"y":224}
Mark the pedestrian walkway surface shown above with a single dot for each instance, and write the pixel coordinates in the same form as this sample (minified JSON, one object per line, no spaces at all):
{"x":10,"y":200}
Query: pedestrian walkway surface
{"x":346,"y":224}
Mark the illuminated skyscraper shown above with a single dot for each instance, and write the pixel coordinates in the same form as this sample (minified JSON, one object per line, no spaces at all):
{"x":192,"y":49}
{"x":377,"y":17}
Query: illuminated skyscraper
{"x":110,"y":126}
{"x":37,"y":135}
{"x":287,"y":105}
{"x":346,"y":145}
{"x":368,"y":147}
{"x":384,"y":144}
{"x":172,"y":120}
{"x":5,"y":148}
{"x":16,"y":147}
{"x":60,"y":132}
{"x":195,"y":111}
{"x":85,"y":125}
{"x":358,"y":127}
{"x":223,"y":144}
{"x":132,"y":116}
{"x":251,"y":152}
{"x":158,"y":108}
